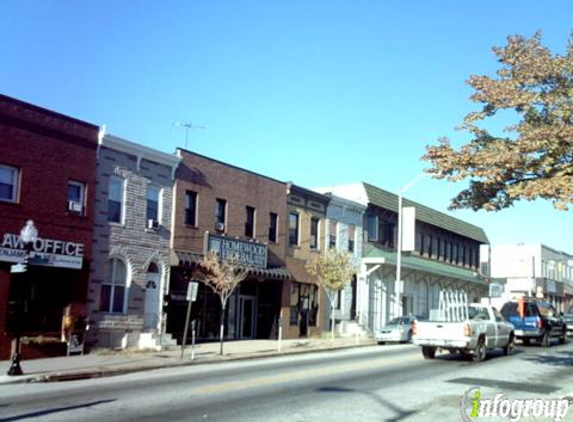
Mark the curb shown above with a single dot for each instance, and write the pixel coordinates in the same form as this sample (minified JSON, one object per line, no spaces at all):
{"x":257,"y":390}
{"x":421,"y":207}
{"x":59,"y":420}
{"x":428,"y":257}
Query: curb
{"x":82,"y":374}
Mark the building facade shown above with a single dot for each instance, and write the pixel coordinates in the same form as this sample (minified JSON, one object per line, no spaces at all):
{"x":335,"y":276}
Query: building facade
{"x":534,"y":270}
{"x":132,"y":240}
{"x":344,"y":231}
{"x":304,"y":305}
{"x":229,"y":210}
{"x":445,"y":255}
{"x":35,"y":185}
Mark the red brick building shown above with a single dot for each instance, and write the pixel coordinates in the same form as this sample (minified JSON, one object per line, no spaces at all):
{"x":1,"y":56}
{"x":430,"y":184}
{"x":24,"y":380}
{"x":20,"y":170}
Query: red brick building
{"x":220,"y":205}
{"x":47,"y":174}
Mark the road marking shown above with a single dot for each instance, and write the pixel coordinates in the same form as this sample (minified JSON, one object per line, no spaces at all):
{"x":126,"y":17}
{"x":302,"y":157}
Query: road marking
{"x":300,"y":375}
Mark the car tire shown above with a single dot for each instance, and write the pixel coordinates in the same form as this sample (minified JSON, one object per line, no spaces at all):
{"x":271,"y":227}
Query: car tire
{"x":510,"y":348}
{"x":563,"y":338}
{"x":525,"y":341}
{"x":480,"y":351}
{"x":428,"y":352}
{"x":545,"y":340}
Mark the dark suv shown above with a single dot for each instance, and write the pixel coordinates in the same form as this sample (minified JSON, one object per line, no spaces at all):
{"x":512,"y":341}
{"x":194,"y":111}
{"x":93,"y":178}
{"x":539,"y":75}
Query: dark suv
{"x":535,"y":319}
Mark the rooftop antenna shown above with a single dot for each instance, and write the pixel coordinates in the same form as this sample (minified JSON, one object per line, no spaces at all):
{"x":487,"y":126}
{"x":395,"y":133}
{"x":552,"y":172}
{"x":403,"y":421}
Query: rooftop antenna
{"x":188,"y":126}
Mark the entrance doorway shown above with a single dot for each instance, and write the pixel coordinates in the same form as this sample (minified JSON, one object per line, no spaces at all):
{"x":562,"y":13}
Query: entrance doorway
{"x":151,"y":308}
{"x":246,"y":317}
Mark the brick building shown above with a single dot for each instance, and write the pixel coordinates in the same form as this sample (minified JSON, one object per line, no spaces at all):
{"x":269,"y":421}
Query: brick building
{"x":304,"y":299}
{"x":47,"y":174}
{"x":222,"y":207}
{"x":132,"y":238}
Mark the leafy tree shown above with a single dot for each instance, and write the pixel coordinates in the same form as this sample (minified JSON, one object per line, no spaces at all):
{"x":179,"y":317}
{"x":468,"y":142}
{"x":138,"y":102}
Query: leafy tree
{"x":333,"y":270}
{"x":534,"y":158}
{"x":223,"y":276}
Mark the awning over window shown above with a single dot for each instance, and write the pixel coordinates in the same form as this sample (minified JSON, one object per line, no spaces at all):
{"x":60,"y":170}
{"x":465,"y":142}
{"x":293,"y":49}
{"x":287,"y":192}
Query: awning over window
{"x":193,"y":260}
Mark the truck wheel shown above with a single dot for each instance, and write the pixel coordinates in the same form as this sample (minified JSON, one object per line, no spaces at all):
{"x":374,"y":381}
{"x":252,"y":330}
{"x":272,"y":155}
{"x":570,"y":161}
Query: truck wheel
{"x":525,"y":341}
{"x":545,"y":339}
{"x":479,"y":352}
{"x":510,"y":348}
{"x":563,"y":338}
{"x":428,"y":352}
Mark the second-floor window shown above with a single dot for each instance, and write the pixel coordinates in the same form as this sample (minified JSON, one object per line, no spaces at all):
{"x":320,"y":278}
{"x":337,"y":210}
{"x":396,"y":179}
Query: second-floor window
{"x":293,"y":229}
{"x":9,"y":180}
{"x":351,"y":237}
{"x":332,"y":233}
{"x":191,"y":208}
{"x":273,"y":227}
{"x":153,"y":195}
{"x":220,"y":214}
{"x":250,"y":221}
{"x":314,"y":222}
{"x":76,"y":197}
{"x":115,"y":200}
{"x":372,"y":227}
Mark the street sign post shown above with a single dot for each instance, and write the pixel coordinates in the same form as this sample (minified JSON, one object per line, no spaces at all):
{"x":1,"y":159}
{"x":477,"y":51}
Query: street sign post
{"x":192,"y":288}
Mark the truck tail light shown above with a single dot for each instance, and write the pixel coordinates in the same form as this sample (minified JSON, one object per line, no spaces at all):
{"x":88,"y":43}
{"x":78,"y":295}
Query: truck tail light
{"x":539,"y":323}
{"x":414,"y":326}
{"x":467,"y":330}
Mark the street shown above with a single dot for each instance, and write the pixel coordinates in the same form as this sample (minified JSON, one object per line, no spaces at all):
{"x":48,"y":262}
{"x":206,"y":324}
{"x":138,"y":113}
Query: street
{"x":375,"y":383}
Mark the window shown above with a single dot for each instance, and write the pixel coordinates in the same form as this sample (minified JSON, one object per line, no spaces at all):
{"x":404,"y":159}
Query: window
{"x":9,"y":178}
{"x":372,"y":227}
{"x":76,"y":197}
{"x":113,"y":289}
{"x":293,"y":229}
{"x":428,"y":245}
{"x":250,"y":222}
{"x":351,"y":236}
{"x":314,"y":232}
{"x":273,"y":227}
{"x":191,"y":208}
{"x":153,"y":195}
{"x":115,"y":200}
{"x":220,"y":213}
{"x":332,"y":233}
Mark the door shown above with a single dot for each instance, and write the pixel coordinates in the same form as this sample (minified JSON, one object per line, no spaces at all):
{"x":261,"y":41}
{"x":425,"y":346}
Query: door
{"x":151,"y":308}
{"x":246,"y":317}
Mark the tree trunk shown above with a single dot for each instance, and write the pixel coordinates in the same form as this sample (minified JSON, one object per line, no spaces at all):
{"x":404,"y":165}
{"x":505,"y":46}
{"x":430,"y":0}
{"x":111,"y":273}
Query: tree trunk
{"x":332,"y":323}
{"x":222,"y":329}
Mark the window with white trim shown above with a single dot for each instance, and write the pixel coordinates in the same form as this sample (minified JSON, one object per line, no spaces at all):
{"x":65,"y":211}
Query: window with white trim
{"x":76,"y":197}
{"x":113,"y":289}
{"x":153,"y":199}
{"x":115,"y":199}
{"x":9,"y":181}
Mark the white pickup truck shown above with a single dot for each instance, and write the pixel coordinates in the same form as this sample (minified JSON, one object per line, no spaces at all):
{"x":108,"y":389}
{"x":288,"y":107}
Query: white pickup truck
{"x":483,"y":329}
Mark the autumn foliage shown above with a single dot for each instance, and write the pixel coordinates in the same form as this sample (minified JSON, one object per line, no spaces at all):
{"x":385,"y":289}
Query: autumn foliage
{"x":534,"y":156}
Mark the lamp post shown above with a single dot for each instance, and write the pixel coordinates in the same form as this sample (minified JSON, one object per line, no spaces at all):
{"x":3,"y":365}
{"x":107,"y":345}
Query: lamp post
{"x":398,"y":283}
{"x":28,"y":236}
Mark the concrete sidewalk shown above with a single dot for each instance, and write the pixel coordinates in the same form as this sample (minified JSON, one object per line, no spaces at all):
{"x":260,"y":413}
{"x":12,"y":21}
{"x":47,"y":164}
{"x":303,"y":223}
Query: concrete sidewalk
{"x":108,"y":363}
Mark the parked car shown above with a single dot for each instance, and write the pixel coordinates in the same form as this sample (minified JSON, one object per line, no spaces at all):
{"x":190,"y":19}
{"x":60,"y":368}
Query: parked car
{"x":535,"y":319}
{"x":482,"y":330}
{"x":568,"y":319}
{"x":397,"y":330}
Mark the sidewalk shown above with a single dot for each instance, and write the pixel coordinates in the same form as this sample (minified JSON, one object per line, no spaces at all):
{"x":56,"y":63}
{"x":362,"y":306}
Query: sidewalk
{"x":108,"y":363}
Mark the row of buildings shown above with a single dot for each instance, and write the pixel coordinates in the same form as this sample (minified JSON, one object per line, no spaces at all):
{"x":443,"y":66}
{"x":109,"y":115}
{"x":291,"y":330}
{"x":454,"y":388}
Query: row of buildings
{"x":123,"y":227}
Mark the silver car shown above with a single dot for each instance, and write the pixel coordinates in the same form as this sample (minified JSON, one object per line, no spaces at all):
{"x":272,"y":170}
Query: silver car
{"x":398,"y":330}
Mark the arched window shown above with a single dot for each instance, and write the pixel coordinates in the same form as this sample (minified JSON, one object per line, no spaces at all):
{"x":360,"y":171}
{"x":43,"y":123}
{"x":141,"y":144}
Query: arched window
{"x":113,"y":288}
{"x":152,"y":268}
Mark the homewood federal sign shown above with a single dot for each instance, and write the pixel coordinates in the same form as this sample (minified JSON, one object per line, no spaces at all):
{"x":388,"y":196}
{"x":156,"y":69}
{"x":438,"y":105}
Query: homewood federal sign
{"x":249,"y":253}
{"x":45,"y":252}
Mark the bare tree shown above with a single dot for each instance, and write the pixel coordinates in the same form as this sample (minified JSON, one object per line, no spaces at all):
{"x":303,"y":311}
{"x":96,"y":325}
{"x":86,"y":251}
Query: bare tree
{"x":223,"y":276}
{"x":333,"y":270}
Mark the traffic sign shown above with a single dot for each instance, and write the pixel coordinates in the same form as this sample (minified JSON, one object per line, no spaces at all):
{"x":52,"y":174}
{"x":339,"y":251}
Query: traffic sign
{"x":192,"y":288}
{"x":18,"y":268}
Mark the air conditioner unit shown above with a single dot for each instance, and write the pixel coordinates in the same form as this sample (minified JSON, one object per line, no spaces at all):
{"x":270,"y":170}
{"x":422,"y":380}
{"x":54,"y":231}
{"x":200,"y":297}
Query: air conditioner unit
{"x":220,"y":226}
{"x":74,"y":206}
{"x":152,"y":224}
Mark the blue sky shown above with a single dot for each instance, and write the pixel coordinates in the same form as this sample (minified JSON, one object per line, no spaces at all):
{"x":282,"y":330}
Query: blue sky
{"x":315,"y":92}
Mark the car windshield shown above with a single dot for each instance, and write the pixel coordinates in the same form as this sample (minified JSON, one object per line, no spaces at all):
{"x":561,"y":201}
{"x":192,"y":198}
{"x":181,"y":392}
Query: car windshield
{"x":399,"y":320}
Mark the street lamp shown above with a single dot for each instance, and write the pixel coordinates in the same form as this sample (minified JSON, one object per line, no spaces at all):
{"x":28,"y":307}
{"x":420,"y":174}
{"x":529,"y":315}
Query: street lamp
{"x":28,"y":236}
{"x":398,"y":284}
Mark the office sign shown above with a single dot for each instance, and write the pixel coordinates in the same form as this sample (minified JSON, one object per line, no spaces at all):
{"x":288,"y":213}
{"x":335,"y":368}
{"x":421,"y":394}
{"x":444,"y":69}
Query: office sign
{"x":251,"y":254}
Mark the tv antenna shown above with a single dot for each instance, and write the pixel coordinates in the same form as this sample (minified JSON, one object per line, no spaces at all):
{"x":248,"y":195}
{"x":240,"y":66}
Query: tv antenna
{"x":188,"y":126}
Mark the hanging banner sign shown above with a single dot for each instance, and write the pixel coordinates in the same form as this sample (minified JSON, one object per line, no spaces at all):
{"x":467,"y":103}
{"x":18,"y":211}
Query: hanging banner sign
{"x":248,"y":253}
{"x":44,"y":252}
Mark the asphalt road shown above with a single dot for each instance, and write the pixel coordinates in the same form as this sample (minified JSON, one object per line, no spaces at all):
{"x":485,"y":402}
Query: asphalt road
{"x":379,"y":383}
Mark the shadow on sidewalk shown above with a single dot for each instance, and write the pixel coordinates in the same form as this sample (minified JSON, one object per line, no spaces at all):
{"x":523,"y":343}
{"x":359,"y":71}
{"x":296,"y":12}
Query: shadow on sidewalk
{"x":55,"y":410}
